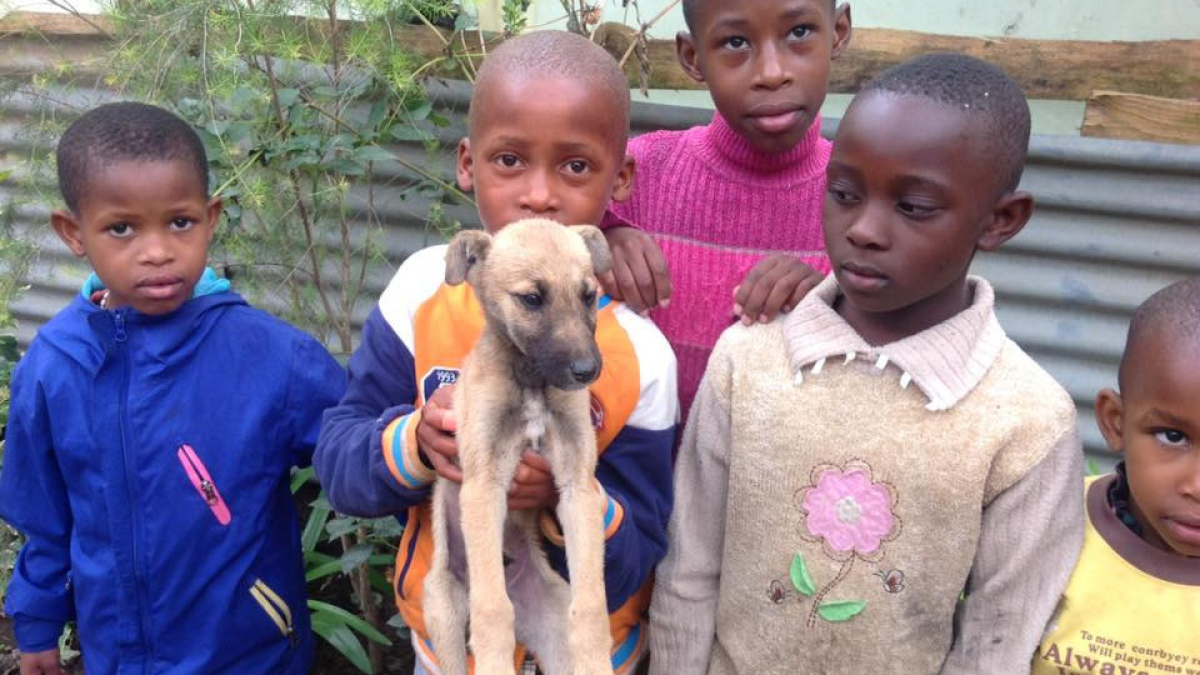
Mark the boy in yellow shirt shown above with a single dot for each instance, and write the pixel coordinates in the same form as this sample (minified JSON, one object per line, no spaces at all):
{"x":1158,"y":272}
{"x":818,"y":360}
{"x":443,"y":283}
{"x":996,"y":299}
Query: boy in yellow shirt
{"x":1133,"y":603}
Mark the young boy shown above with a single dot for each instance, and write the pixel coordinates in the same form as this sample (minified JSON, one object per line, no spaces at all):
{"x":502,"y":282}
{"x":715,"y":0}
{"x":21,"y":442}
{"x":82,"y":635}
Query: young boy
{"x":154,"y":424}
{"x":850,"y":469}
{"x":736,"y":204}
{"x":1133,"y":603}
{"x":548,"y":121}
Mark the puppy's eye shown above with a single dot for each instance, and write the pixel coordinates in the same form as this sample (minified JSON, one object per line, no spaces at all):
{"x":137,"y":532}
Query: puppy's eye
{"x":531,"y":300}
{"x":589,"y":298}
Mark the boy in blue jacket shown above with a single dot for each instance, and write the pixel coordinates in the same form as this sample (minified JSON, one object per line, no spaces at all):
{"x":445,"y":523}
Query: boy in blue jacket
{"x":548,"y":120}
{"x":153,"y":426}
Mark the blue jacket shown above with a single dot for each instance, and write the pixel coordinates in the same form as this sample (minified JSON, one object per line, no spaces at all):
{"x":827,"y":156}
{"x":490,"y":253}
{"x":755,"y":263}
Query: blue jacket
{"x":147,"y":461}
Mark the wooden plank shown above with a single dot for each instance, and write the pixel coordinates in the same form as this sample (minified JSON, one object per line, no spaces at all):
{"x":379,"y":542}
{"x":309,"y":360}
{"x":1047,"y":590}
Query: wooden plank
{"x":1112,"y":114}
{"x":1046,"y":69}
{"x":52,"y":23}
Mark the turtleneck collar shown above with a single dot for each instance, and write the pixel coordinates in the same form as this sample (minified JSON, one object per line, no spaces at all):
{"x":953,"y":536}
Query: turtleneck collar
{"x":728,"y":150}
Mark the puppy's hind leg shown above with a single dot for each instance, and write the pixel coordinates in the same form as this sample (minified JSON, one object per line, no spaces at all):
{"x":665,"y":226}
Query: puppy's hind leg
{"x":581,"y":514}
{"x":541,"y":598}
{"x":484,"y":504}
{"x":445,"y":602}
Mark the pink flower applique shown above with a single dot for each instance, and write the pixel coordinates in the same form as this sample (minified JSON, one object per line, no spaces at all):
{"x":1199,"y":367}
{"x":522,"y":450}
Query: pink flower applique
{"x":852,"y":517}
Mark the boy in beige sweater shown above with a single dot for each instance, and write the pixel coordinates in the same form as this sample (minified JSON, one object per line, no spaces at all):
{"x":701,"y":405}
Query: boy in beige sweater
{"x":849,"y":470}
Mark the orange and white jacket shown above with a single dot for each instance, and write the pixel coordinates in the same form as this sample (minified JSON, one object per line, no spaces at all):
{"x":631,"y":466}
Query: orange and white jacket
{"x":414,"y":342}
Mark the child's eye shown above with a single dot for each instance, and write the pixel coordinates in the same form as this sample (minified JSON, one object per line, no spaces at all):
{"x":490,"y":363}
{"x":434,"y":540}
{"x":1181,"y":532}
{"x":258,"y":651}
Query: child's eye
{"x":120,"y":229}
{"x":577,"y":167}
{"x":914,"y":210}
{"x":801,"y":31}
{"x":841,"y":196}
{"x":181,"y":224}
{"x":1170,"y":437}
{"x":508,"y":160}
{"x":736,"y":42}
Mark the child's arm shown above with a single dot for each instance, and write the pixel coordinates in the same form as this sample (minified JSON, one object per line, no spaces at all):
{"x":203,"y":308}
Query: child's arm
{"x":776,"y":284}
{"x":1029,"y":542}
{"x":367,"y":457}
{"x":316,"y":384}
{"x":683,"y":612}
{"x":639,"y":275}
{"x":33,"y":499}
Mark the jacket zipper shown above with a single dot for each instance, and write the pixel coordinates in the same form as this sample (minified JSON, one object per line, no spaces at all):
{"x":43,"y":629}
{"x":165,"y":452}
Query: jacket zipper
{"x":121,"y":337}
{"x":203,"y":483}
{"x":276,"y":609}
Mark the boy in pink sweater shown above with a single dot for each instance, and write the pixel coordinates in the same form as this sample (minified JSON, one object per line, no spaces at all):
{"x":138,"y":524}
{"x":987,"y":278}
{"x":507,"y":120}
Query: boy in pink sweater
{"x":732,"y":208}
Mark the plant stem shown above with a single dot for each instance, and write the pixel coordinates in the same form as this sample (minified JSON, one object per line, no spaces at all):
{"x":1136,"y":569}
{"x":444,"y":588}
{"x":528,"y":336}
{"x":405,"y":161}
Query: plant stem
{"x":820,"y":597}
{"x":646,"y":27}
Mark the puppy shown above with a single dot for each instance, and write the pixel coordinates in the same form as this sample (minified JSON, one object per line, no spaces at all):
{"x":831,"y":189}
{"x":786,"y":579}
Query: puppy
{"x":523,"y":387}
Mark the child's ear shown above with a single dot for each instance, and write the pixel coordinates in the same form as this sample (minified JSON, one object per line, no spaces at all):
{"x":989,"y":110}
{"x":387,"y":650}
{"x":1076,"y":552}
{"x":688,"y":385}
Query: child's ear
{"x":68,"y":227}
{"x":464,"y":169}
{"x":623,"y":185}
{"x":215,"y":205}
{"x":685,"y":50}
{"x":1110,"y":419}
{"x":842,"y":28}
{"x":1009,"y":216}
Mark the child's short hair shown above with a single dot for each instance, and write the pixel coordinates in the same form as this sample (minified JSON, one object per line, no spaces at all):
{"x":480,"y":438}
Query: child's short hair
{"x":124,"y":132}
{"x":1175,"y":308}
{"x":975,"y":87}
{"x":690,"y":6}
{"x":560,"y":54}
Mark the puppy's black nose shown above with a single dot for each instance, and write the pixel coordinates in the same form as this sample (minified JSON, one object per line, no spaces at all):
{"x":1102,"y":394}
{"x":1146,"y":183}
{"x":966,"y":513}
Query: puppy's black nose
{"x":584,"y":371}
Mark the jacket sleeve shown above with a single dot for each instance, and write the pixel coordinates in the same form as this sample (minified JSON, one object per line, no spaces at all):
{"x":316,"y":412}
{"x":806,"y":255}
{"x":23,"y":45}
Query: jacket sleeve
{"x":683,"y":610}
{"x":635,"y":473}
{"x":316,"y":382}
{"x":1029,"y":542}
{"x":366,"y":457}
{"x":33,"y":499}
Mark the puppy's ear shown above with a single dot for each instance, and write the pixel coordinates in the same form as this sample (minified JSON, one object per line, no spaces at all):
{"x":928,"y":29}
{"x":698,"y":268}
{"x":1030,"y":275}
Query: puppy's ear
{"x":467,"y":249}
{"x":597,"y":247}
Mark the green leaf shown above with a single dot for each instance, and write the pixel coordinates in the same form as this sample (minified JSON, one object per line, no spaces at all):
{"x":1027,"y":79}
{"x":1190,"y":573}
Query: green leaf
{"x":373,"y":153}
{"x":301,"y":477}
{"x":800,"y":578}
{"x":288,"y":96}
{"x":405,"y":132}
{"x":322,"y":571}
{"x":341,"y":526}
{"x":314,"y":527}
{"x":337,"y":634}
{"x":841,"y":611}
{"x":356,"y":556}
{"x":367,"y":630}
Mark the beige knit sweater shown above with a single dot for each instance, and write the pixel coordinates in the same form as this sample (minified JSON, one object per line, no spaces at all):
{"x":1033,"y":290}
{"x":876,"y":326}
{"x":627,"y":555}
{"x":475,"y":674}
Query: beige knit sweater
{"x":834,"y":499}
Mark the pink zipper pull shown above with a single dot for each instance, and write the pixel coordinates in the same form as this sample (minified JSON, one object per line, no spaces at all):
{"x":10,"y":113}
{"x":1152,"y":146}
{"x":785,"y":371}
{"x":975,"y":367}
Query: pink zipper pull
{"x":203,"y":483}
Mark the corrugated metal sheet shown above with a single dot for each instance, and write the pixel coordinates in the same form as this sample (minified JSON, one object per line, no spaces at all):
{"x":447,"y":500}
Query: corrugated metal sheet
{"x":1115,"y":221}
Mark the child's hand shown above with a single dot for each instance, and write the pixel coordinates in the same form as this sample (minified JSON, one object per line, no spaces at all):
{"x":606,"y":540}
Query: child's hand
{"x":435,"y":434}
{"x":48,"y":662}
{"x":533,"y":487}
{"x":778,"y":283}
{"x":639,"y":275}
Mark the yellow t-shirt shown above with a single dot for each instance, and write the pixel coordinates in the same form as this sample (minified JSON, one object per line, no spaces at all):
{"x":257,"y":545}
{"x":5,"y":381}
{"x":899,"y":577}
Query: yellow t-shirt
{"x":1129,"y":609}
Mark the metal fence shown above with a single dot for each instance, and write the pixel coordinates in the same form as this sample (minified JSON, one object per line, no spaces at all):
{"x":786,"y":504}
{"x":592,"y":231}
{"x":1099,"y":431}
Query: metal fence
{"x":1115,"y":221}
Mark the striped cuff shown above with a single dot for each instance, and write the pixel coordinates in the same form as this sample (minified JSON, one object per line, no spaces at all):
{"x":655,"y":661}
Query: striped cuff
{"x":614,"y":514}
{"x":400,"y":452}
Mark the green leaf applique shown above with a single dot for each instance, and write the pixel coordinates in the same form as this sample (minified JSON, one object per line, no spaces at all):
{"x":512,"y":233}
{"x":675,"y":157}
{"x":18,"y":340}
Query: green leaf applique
{"x":800,"y":578}
{"x":841,"y":611}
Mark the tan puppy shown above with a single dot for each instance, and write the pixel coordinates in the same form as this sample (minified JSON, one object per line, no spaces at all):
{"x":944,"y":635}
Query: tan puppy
{"x":524,"y":386}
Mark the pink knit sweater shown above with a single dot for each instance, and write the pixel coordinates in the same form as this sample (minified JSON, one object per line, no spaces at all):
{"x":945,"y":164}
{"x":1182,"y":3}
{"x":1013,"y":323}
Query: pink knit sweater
{"x":717,"y":206}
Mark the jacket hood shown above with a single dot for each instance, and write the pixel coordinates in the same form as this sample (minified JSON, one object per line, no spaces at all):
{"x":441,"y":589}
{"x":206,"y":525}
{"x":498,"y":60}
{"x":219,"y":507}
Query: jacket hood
{"x":84,"y":332}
